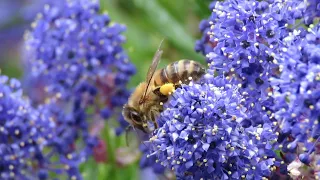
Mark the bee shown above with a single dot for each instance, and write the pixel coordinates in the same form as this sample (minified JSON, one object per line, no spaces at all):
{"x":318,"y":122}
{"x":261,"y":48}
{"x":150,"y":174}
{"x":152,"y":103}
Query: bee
{"x":145,"y":103}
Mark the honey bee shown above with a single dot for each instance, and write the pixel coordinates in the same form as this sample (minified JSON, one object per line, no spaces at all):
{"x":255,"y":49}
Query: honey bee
{"x":145,"y":103}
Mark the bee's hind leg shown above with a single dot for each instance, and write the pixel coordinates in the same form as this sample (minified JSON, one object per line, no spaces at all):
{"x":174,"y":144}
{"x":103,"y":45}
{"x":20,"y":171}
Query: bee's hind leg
{"x":157,"y":91}
{"x":159,"y":94}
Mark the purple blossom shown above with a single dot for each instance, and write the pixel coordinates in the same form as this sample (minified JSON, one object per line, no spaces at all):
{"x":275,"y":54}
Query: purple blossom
{"x":241,"y":40}
{"x":72,"y":44}
{"x":76,"y":58}
{"x":205,"y":133}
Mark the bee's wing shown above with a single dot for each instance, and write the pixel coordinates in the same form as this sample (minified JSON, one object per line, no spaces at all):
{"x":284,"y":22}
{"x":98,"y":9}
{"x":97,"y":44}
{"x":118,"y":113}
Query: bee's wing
{"x":152,"y":70}
{"x":154,"y":64}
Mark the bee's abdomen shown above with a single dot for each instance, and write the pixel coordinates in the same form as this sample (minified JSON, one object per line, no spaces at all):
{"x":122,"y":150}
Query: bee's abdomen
{"x":179,"y":71}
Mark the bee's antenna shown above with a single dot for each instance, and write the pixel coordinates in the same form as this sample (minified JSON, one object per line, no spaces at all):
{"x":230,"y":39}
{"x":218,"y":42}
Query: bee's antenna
{"x":144,"y":144}
{"x":160,"y":43}
{"x":127,"y":131}
{"x":140,"y":138}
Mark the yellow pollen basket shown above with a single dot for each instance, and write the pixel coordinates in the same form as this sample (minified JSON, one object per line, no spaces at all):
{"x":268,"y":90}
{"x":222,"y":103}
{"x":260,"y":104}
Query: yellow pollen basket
{"x":167,"y":89}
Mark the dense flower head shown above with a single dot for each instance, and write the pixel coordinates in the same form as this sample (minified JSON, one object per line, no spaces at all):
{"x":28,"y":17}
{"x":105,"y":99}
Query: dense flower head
{"x":76,"y":55}
{"x":298,"y":92}
{"x":72,"y":43}
{"x":76,"y":60}
{"x":205,"y":133}
{"x":24,"y":133}
{"x":249,"y":27}
{"x":240,"y":41}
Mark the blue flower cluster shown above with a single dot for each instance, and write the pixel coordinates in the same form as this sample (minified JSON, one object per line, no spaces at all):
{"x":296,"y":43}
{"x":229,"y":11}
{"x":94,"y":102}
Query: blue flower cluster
{"x":205,"y":133}
{"x":24,"y":132}
{"x":241,"y":40}
{"x":298,"y":93}
{"x":72,"y":44}
{"x":76,"y":57}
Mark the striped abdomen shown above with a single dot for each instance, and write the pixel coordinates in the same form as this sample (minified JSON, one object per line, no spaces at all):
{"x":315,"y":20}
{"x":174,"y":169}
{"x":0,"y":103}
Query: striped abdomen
{"x":179,"y":71}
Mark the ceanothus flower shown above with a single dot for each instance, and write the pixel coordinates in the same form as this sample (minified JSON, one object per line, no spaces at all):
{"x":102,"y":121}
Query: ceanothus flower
{"x":24,"y":132}
{"x":240,"y":41}
{"x":248,"y":26}
{"x":75,"y":55}
{"x":205,"y":133}
{"x":72,"y":43}
{"x":298,"y":93}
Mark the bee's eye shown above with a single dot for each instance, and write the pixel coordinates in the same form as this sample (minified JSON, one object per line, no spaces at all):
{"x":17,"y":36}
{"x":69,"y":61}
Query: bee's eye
{"x":134,"y":115}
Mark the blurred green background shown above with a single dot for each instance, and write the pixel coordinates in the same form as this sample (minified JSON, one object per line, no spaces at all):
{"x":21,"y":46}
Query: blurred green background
{"x":148,"y":22}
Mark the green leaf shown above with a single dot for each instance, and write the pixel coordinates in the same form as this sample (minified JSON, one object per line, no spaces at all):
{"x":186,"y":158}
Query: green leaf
{"x":163,"y":22}
{"x":148,"y":22}
{"x":104,"y":171}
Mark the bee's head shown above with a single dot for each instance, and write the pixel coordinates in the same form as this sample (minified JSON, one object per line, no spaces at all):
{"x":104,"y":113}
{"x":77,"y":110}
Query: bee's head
{"x":135,"y":118}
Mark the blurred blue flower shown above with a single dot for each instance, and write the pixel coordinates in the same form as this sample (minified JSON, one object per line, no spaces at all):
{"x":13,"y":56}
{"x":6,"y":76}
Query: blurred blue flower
{"x":298,"y":93}
{"x":25,"y":132}
{"x":205,"y":133}
{"x":75,"y":55}
{"x":73,"y":44}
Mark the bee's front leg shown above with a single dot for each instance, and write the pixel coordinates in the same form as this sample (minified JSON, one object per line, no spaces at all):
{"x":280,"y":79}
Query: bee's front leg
{"x":155,"y":123}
